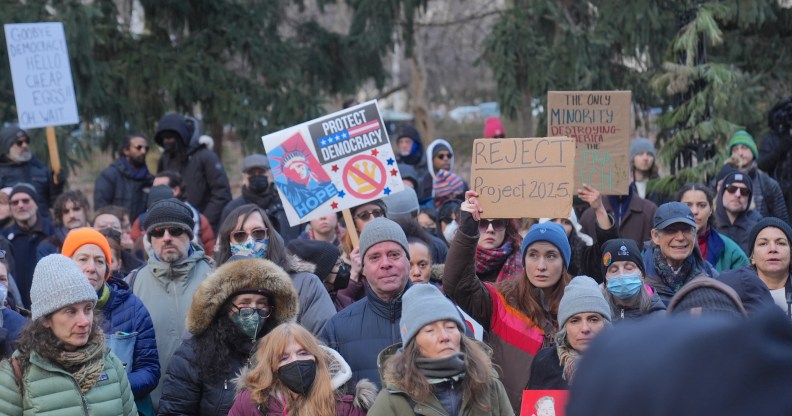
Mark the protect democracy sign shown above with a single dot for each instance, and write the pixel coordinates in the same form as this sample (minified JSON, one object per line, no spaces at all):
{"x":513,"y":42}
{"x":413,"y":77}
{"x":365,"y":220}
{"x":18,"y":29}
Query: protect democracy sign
{"x":332,"y":163}
{"x":41,"y":74}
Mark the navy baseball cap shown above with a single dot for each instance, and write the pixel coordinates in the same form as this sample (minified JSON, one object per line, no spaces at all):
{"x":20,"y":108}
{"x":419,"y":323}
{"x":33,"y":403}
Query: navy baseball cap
{"x":672,"y":213}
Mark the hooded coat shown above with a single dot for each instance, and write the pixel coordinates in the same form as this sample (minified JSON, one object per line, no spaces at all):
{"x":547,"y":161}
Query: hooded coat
{"x":119,"y":185}
{"x":185,"y":390}
{"x":417,"y":161}
{"x":346,"y":404}
{"x":205,"y":181}
{"x":741,"y":229}
{"x":636,"y":223}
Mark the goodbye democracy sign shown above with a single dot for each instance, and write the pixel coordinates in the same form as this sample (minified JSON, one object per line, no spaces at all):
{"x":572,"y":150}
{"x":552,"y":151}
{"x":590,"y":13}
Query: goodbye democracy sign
{"x":41,"y":74}
{"x":599,"y":121}
{"x":531,"y":177}
{"x":334,"y":162}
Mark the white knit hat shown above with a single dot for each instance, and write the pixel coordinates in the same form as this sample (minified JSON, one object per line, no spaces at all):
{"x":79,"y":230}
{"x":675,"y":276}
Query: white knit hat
{"x":58,"y":282}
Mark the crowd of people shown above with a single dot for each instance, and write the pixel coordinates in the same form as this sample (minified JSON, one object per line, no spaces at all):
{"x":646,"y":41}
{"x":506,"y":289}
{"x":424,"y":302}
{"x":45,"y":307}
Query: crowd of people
{"x":167,"y":296}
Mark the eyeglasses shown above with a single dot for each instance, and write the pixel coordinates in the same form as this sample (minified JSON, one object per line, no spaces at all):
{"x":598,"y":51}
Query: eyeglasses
{"x":23,"y":201}
{"x":675,"y":228}
{"x":22,"y":142}
{"x":141,"y":147}
{"x":732,"y":189}
{"x":244,"y":311}
{"x":173,"y":231}
{"x":497,"y":225}
{"x":365,"y":215}
{"x":241,"y":236}
{"x":2,"y":254}
{"x":444,"y":156}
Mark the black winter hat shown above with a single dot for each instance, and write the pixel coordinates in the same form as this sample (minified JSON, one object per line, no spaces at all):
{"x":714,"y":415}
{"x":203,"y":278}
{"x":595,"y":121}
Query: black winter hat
{"x":25,"y":188}
{"x":411,"y":132}
{"x":707,"y":296}
{"x":158,"y":193}
{"x":170,"y":213}
{"x":620,"y":249}
{"x":9,"y":135}
{"x":320,"y":253}
{"x":175,"y":123}
{"x":764,"y":223}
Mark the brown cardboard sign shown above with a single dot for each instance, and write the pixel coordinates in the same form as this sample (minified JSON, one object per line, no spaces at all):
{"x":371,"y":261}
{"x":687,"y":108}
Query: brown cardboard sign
{"x":599,"y":121}
{"x":531,"y":177}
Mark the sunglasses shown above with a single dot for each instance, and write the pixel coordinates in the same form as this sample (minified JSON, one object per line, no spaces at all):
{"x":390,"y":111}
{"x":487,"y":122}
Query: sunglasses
{"x":444,"y":156}
{"x":21,"y":142}
{"x":743,"y":191}
{"x":497,"y":225}
{"x":2,"y":254}
{"x":173,"y":231}
{"x":365,"y":215}
{"x":241,"y":236}
{"x":140,"y":147}
{"x":23,"y":201}
{"x":244,"y":312}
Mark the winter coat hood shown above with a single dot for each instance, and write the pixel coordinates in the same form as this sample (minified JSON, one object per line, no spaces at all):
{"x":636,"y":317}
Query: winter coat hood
{"x":230,"y":278}
{"x":430,"y":155}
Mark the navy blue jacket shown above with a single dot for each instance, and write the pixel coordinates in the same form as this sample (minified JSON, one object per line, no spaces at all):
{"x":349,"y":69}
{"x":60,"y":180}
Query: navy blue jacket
{"x":118,"y":185}
{"x":125,"y":312}
{"x":9,"y":331}
{"x":36,"y":173}
{"x":26,"y":254}
{"x":753,"y":292}
{"x":363,"y":329}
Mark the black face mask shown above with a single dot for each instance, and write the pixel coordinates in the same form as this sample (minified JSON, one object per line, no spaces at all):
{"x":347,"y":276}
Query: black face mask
{"x":342,"y":276}
{"x":258,"y":184}
{"x":298,"y":376}
{"x":431,"y":231}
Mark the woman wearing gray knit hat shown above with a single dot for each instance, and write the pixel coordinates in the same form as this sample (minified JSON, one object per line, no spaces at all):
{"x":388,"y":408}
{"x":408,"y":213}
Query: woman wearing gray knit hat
{"x":583,"y":313}
{"x":62,"y":365}
{"x":436,"y":366}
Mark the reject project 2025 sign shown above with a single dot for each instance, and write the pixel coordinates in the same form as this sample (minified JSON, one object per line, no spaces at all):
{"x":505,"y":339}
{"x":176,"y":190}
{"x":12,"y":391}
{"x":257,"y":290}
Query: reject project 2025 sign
{"x":338,"y":161}
{"x":599,"y":121}
{"x":518,"y":178}
{"x":41,"y":73}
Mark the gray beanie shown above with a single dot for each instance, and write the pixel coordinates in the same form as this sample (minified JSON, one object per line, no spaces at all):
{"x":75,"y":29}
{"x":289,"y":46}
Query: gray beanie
{"x":170,"y":213}
{"x":9,"y":135}
{"x":402,"y":204}
{"x":379,"y":230}
{"x":423,"y":304}
{"x":641,"y":145}
{"x":582,"y":294}
{"x":58,"y":282}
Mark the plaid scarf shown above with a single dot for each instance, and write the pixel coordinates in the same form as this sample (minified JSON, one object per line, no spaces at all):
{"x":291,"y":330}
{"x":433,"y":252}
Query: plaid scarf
{"x":504,"y":258}
{"x":666,"y":273}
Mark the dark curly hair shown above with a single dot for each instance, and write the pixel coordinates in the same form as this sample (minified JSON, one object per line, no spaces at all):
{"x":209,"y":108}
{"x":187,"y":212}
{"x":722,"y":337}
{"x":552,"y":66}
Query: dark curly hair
{"x":222,"y":340}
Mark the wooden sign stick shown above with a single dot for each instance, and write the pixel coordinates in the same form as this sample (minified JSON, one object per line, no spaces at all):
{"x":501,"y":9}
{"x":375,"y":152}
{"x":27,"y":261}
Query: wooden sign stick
{"x":350,"y":228}
{"x":52,"y":144}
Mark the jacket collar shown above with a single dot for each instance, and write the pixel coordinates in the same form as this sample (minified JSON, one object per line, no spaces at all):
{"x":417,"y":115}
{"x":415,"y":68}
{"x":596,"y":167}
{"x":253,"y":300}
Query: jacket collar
{"x":391,"y":309}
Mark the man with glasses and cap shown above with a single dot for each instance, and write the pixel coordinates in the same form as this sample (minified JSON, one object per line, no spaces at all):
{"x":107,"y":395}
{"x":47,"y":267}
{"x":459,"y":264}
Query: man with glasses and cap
{"x":734,"y":215}
{"x":127,"y":180}
{"x":18,"y":164}
{"x":673,"y":259}
{"x":173,"y":272}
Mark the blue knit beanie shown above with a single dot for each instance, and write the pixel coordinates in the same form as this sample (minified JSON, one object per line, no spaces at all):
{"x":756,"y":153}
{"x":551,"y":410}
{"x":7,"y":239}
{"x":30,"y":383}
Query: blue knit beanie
{"x":552,"y":233}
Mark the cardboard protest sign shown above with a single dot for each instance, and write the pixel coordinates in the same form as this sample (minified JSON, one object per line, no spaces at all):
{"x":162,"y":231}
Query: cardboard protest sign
{"x":41,"y":74}
{"x":333,"y":162}
{"x":544,"y":402}
{"x":599,"y":121}
{"x":530,"y":177}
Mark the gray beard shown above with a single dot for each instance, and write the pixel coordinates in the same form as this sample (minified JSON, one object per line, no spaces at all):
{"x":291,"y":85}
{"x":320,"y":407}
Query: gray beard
{"x":21,"y":157}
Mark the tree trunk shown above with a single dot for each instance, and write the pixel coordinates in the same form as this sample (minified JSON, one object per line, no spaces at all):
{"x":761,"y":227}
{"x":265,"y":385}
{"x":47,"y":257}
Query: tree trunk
{"x":423,"y":119}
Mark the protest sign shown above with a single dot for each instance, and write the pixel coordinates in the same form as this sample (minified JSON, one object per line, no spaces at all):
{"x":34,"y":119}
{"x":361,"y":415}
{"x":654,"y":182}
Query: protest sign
{"x":333,"y":162}
{"x":41,"y":74}
{"x":599,"y":121}
{"x":530,"y":177}
{"x":544,"y":402}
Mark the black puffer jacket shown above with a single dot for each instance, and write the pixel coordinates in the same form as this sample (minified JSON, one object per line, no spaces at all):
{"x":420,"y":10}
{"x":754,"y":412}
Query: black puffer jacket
{"x":204,"y":178}
{"x":36,"y":173}
{"x":118,"y":185}
{"x":775,"y":158}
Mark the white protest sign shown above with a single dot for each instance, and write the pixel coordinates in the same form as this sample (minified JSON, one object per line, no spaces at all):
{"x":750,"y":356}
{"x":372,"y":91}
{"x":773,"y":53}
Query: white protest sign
{"x":41,"y":73}
{"x":334,"y":162}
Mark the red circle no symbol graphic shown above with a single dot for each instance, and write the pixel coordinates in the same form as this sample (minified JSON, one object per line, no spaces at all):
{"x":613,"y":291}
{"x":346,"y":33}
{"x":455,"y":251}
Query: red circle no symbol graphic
{"x":364,"y":176}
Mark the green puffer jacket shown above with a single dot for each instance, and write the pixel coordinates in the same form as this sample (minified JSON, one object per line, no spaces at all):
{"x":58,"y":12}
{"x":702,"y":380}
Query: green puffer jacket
{"x":394,"y":402}
{"x":52,"y":391}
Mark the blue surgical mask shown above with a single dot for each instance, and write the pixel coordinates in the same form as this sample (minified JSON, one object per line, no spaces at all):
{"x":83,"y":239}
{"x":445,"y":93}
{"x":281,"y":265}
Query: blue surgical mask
{"x":251,"y":247}
{"x":3,"y":294}
{"x":625,"y":286}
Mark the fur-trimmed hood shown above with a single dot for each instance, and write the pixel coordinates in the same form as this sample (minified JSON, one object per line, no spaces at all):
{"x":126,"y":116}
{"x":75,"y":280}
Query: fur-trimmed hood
{"x":232,"y":277}
{"x":296,"y":265}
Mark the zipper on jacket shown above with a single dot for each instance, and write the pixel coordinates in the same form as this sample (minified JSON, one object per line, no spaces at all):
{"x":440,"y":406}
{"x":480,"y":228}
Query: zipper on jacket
{"x":622,"y":313}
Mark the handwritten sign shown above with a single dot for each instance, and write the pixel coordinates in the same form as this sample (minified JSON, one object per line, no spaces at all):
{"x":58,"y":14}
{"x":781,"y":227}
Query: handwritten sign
{"x":334,"y":162}
{"x":518,"y":178}
{"x":599,"y":121}
{"x":41,"y":74}
{"x":544,"y":402}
